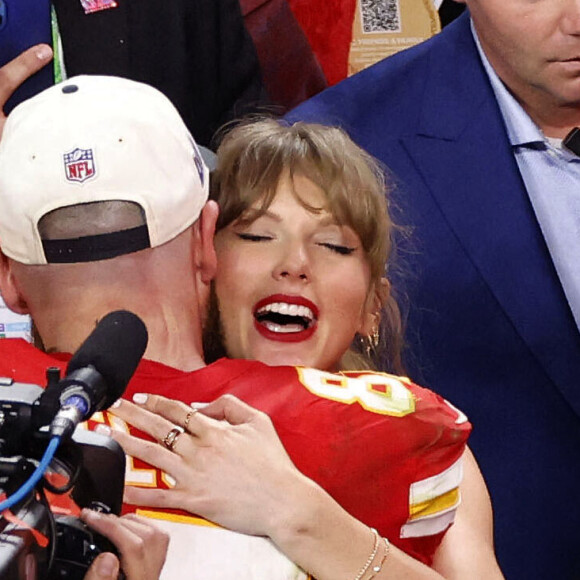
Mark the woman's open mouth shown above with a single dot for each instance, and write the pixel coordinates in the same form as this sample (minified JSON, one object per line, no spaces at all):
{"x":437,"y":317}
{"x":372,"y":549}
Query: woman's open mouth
{"x":285,"y":318}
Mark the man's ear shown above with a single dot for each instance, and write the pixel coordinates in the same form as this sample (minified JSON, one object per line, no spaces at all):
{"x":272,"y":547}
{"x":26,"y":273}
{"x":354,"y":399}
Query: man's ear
{"x":206,"y":259}
{"x":9,"y":287}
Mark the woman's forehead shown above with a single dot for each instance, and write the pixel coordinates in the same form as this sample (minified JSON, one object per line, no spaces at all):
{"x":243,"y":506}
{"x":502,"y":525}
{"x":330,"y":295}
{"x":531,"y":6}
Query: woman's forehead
{"x":299,"y":190}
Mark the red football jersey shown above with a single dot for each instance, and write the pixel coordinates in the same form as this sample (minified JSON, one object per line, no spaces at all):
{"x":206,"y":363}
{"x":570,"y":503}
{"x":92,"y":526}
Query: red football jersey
{"x":387,"y":450}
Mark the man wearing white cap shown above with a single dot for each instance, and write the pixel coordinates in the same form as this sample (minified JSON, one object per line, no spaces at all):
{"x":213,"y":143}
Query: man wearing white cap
{"x":103,"y":206}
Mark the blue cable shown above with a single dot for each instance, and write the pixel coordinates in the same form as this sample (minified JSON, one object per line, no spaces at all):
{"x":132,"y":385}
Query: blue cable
{"x":30,"y":484}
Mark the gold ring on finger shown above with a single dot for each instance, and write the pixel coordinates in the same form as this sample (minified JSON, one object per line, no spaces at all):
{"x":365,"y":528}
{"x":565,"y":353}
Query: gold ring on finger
{"x":171,"y":438}
{"x":188,"y":417}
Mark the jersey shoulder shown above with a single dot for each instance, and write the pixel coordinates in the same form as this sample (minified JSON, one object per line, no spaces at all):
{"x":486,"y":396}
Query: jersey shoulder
{"x":395,"y":395}
{"x":23,"y":362}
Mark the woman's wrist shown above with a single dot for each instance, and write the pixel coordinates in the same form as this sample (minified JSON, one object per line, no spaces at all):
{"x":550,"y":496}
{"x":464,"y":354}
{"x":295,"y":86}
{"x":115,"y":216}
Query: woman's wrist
{"x":316,"y":533}
{"x":295,"y":519}
{"x":319,"y":535}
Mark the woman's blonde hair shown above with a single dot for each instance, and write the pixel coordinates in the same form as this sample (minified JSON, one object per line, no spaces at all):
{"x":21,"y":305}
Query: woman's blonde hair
{"x":255,"y":154}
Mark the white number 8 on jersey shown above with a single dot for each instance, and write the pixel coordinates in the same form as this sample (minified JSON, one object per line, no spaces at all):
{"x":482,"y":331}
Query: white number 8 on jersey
{"x":375,"y":392}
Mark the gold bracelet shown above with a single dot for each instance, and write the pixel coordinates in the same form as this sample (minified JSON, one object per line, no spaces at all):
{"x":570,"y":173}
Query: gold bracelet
{"x":379,"y":567}
{"x":371,"y":557}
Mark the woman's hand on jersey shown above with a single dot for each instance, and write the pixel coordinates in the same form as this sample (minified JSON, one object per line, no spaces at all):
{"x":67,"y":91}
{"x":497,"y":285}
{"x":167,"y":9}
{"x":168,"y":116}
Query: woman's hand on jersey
{"x":141,"y":545}
{"x":229,"y":465}
{"x":14,"y":73}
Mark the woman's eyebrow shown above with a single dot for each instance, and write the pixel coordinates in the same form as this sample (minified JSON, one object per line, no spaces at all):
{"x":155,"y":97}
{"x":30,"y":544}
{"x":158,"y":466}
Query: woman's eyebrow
{"x":252,"y":214}
{"x":329,"y":220}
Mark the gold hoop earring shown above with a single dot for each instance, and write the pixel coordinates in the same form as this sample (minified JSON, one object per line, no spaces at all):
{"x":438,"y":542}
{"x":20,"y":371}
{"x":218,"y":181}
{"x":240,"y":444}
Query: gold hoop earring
{"x":371,"y":341}
{"x":375,"y":337}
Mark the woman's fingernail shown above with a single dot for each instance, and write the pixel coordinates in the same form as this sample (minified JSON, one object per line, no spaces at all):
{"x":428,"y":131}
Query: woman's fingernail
{"x":140,"y":398}
{"x":195,"y":405}
{"x":116,"y":404}
{"x":103,"y":429}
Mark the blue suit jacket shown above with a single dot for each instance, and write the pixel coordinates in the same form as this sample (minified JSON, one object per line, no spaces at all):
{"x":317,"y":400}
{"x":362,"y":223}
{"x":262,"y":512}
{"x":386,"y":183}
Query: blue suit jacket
{"x":489,"y":326}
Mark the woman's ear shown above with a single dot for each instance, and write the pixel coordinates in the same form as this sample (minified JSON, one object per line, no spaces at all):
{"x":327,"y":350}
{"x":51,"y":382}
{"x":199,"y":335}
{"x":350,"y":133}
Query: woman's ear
{"x":11,"y":294}
{"x":377,"y":298}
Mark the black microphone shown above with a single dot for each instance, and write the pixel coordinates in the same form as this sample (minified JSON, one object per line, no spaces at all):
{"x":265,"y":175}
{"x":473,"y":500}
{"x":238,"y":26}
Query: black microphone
{"x":99,"y":371}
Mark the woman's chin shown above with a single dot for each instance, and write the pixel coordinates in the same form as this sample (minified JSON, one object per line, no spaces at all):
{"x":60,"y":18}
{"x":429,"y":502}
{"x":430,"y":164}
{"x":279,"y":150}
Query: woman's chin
{"x":290,"y":357}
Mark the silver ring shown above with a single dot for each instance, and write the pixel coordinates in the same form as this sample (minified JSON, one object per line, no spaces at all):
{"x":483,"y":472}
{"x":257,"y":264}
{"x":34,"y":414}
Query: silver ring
{"x":171,"y":438}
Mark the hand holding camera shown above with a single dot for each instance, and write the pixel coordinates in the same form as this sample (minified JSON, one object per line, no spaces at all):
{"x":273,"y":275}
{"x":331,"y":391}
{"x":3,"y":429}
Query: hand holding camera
{"x":141,"y":545}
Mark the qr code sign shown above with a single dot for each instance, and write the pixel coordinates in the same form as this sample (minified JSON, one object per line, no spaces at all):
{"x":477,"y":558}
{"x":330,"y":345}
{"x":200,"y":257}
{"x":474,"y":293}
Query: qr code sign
{"x":381,"y":16}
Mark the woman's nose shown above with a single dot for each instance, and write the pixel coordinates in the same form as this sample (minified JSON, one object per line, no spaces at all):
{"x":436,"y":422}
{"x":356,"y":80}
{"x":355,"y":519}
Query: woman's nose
{"x":293,"y":264}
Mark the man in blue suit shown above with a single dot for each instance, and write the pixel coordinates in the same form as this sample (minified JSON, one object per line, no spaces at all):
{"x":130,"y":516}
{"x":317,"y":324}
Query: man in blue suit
{"x":471,"y":124}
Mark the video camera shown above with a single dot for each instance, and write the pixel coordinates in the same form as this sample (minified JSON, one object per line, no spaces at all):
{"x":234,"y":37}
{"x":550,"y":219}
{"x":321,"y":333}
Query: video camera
{"x":36,"y":541}
{"x":90,"y":464}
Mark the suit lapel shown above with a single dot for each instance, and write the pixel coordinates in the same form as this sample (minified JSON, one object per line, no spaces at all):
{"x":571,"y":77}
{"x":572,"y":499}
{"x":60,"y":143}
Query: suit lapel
{"x":480,"y":200}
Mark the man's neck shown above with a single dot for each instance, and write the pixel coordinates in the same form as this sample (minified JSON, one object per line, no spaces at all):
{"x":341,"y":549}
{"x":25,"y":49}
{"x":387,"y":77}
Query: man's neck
{"x":554,"y":121}
{"x":174,"y":338}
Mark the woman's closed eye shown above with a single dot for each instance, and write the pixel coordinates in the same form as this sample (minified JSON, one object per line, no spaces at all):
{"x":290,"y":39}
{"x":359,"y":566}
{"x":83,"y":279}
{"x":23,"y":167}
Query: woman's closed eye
{"x":253,"y":237}
{"x":338,"y":248}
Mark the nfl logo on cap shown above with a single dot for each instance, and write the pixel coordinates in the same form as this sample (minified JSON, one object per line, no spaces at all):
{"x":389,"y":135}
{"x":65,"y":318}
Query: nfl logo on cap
{"x":79,"y":165}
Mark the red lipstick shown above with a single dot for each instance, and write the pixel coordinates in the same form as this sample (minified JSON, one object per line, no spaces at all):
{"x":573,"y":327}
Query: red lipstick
{"x":285,"y":318}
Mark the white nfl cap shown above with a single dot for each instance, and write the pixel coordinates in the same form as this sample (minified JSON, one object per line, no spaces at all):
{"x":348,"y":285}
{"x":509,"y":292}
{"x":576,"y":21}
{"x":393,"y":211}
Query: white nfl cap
{"x":90,"y":139}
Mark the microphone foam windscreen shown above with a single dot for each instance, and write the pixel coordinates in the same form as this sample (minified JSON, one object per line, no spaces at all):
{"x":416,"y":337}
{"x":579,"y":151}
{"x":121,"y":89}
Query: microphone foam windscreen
{"x":114,"y":349}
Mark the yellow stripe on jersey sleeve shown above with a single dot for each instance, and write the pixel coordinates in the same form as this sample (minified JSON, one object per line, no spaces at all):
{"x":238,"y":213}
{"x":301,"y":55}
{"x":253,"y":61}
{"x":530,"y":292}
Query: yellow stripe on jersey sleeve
{"x":179,"y":518}
{"x":444,"y":502}
{"x":433,"y":502}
